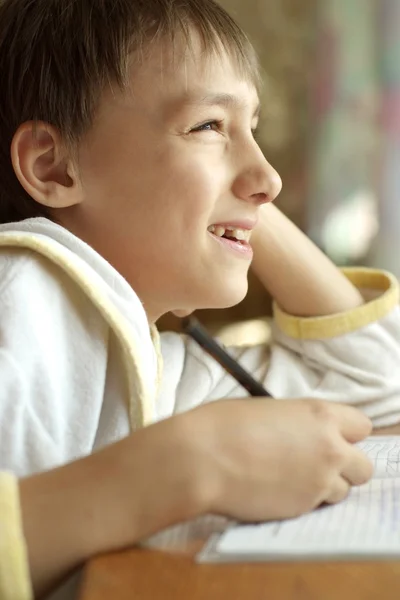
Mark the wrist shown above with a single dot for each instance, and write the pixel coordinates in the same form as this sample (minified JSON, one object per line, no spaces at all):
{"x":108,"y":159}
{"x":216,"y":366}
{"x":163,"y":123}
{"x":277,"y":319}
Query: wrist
{"x":300,"y":278}
{"x":201,"y":431}
{"x":169,"y":486}
{"x":153,"y":482}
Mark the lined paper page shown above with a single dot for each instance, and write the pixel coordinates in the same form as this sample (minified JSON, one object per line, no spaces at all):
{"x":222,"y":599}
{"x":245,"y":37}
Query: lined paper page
{"x":384,"y":452}
{"x":183,"y":536}
{"x":374,"y":505}
{"x":366,"y":523}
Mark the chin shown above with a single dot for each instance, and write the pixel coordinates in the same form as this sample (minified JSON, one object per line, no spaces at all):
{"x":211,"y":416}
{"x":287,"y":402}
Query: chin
{"x":227,"y":295}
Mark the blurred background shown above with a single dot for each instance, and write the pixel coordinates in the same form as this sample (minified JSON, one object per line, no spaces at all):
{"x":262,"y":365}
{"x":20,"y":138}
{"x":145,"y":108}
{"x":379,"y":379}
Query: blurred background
{"x":330,"y":126}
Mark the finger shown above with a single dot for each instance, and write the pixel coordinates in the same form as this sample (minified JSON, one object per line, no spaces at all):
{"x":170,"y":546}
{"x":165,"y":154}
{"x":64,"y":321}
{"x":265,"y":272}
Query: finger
{"x":358,"y":468}
{"x":353,"y":424}
{"x":339,"y":491}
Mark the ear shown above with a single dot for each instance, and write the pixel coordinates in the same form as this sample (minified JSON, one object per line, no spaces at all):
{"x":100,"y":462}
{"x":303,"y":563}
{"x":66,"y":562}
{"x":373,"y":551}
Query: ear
{"x":43,"y":167}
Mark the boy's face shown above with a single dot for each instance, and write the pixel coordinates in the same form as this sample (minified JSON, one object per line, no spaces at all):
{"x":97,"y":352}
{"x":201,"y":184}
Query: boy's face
{"x":162,"y":164}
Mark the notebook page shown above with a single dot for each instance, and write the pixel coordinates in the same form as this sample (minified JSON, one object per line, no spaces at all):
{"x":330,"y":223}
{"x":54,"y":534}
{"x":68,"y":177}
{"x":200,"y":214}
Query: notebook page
{"x":384,"y":452}
{"x":184,"y":536}
{"x":367,"y":523}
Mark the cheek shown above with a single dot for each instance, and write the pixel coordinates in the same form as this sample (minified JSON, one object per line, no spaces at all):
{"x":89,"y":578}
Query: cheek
{"x":177,"y":186}
{"x":118,"y":161}
{"x":194,"y":187}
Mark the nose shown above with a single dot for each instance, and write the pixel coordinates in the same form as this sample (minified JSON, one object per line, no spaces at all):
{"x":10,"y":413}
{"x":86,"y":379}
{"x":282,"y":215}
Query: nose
{"x":258,"y":182}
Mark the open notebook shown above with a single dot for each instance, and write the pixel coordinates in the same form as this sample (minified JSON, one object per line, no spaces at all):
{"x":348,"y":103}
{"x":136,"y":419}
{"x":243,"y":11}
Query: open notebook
{"x":365,"y":525}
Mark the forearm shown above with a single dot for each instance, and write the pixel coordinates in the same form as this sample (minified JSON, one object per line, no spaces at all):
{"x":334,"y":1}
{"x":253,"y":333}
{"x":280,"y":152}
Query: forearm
{"x":301,"y":279}
{"x":107,"y":501}
{"x":60,"y":509}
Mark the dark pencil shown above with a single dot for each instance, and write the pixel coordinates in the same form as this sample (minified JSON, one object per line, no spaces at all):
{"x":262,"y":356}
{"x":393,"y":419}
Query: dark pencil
{"x":195,"y":330}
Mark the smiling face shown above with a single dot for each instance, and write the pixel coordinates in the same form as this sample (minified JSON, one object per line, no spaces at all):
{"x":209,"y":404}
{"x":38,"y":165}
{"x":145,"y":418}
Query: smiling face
{"x":167,"y":169}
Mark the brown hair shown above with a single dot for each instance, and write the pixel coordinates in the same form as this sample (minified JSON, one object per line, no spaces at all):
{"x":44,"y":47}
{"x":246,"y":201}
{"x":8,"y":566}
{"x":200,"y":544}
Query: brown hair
{"x":57,"y":56}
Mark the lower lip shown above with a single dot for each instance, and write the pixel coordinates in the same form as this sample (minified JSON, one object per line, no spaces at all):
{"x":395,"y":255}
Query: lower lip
{"x":242,"y":249}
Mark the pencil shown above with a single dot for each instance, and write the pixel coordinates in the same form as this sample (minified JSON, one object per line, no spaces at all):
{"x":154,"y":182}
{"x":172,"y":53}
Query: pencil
{"x":193,"y":328}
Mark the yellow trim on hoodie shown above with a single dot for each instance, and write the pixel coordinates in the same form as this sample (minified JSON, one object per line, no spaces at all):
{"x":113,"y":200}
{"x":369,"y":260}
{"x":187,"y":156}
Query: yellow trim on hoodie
{"x":313,"y":328}
{"x":15,"y":583}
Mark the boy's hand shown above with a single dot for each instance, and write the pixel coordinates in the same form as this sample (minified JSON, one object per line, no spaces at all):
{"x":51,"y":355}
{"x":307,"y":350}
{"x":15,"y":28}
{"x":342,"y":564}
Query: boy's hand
{"x":269,"y":459}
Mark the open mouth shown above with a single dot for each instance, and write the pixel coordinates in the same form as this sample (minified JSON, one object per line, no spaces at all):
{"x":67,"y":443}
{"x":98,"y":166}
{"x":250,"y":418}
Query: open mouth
{"x":242,"y":236}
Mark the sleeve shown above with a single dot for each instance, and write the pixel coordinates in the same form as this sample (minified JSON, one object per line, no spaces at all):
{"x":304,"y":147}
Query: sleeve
{"x":352,"y":357}
{"x":15,"y":581}
{"x":53,"y":351}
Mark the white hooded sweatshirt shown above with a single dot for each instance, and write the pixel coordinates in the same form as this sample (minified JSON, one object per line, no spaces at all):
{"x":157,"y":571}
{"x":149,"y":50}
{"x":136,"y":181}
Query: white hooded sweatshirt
{"x":81,"y":368}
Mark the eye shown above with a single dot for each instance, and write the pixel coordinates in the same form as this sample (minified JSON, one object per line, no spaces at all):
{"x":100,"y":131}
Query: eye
{"x":213,"y":125}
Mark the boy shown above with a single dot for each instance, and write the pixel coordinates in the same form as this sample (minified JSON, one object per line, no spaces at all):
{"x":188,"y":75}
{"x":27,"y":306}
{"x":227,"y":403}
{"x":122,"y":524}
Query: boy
{"x":131,"y":184}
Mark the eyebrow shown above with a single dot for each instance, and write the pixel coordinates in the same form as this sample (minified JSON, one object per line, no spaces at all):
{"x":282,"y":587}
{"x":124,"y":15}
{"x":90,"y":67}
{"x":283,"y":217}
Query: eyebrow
{"x":225,"y":100}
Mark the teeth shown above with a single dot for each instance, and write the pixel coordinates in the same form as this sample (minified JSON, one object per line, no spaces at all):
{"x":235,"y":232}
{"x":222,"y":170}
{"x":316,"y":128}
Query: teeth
{"x":242,"y":235}
{"x":239,"y":234}
{"x":219,"y":230}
